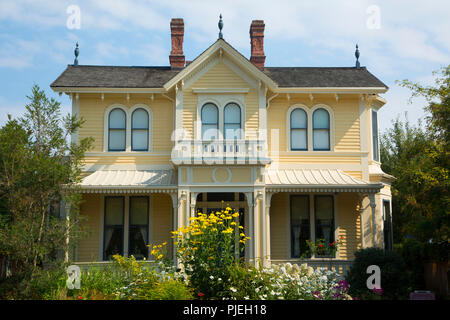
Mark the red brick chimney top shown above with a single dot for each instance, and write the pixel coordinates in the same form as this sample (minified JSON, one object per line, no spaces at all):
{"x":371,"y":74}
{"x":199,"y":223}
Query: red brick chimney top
{"x":257,"y":43}
{"x":176,"y":57}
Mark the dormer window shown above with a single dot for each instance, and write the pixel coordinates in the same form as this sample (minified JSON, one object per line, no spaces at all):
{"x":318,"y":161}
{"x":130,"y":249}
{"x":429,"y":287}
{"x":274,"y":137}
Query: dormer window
{"x":117,"y":130}
{"x":210,"y":122}
{"x":232,"y":121}
{"x":321,"y":130}
{"x":299,"y":129}
{"x":139,"y":130}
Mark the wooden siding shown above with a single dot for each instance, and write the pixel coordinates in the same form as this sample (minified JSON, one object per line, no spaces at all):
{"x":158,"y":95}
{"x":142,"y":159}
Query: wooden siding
{"x":91,"y":211}
{"x":92,"y":110}
{"x":220,"y":76}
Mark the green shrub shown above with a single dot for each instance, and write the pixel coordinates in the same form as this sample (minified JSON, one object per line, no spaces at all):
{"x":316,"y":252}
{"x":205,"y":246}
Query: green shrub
{"x":170,"y":289}
{"x":394,"y":279}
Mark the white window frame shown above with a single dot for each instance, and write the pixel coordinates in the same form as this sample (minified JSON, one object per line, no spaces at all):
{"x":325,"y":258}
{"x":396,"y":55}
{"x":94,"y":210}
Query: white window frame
{"x":371,"y":136}
{"x":309,"y":113}
{"x":128,"y":114}
{"x":220,"y":100}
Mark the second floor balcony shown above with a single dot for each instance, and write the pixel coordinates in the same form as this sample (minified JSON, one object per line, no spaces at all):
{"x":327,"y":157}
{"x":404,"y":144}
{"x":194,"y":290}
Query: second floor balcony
{"x":220,"y":152}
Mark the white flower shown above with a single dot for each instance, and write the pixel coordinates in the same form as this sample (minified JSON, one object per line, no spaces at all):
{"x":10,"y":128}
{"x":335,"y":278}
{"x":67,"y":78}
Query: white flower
{"x":233,"y":289}
{"x":211,"y":277}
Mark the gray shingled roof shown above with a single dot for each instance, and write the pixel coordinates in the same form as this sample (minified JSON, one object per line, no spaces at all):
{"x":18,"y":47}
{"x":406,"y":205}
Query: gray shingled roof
{"x":156,"y":77}
{"x":322,"y":77}
{"x":114,"y":77}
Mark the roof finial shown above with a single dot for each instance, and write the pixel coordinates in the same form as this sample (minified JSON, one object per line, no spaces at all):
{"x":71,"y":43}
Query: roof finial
{"x":357,"y":57}
{"x":220,"y":27}
{"x":77,"y":52}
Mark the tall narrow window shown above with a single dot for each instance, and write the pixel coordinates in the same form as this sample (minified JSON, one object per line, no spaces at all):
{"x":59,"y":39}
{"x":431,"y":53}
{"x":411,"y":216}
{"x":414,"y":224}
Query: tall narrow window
{"x":376,"y":154}
{"x":321,"y":129}
{"x":299,"y":130}
{"x":210,"y":122}
{"x":138,"y":230}
{"x":388,"y":240}
{"x":300,"y":226}
{"x":113,"y":232}
{"x":324,"y":218}
{"x":139,"y":130}
{"x":232,"y":121}
{"x":117,"y":130}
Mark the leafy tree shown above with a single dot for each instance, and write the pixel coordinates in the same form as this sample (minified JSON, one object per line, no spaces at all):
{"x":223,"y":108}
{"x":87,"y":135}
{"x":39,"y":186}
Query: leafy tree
{"x":419,"y":159}
{"x":38,"y":169}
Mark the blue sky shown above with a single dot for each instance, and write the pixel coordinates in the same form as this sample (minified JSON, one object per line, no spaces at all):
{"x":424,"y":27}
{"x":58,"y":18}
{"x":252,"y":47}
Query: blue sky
{"x":397,"y":39}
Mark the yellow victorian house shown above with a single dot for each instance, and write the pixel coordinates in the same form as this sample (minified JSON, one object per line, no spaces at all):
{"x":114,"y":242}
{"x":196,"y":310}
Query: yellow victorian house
{"x":294,"y":149}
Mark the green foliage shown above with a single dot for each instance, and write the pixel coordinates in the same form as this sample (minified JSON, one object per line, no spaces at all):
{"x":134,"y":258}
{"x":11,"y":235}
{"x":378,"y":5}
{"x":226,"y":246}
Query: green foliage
{"x":419,"y":159}
{"x":394,"y":280}
{"x":208,"y":248}
{"x":38,"y":168}
{"x":145,"y":282}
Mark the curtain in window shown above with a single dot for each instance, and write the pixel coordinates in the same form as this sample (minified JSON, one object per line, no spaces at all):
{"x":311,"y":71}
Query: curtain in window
{"x":232,"y":121}
{"x":117,"y":130}
{"x":210,"y":122}
{"x":376,"y":155}
{"x":321,"y":129}
{"x":299,"y":130}
{"x":138,"y":232}
{"x":300,"y":226}
{"x":324,"y":216}
{"x":113,"y":232}
{"x":139,"y":130}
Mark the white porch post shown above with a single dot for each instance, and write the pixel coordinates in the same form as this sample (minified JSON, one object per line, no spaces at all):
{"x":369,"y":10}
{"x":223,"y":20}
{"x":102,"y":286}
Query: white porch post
{"x":175,"y":220}
{"x":258,"y":225}
{"x":373,"y":206}
{"x":67,"y":215}
{"x":249,"y":196}
{"x":193,"y":203}
{"x":361,"y":224}
{"x":267,"y":256}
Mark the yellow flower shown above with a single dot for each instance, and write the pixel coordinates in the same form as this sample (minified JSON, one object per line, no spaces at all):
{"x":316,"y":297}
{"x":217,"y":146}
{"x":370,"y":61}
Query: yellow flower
{"x":241,"y":227}
{"x":242,"y":235}
{"x":159,"y":257}
{"x":233,"y":223}
{"x":235,"y":214}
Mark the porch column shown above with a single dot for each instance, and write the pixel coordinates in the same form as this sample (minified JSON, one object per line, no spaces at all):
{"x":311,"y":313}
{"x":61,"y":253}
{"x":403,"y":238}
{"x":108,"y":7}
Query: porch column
{"x":373,"y":206}
{"x":67,"y":215}
{"x":258,"y":227}
{"x":193,"y":203}
{"x":267,"y":257}
{"x":175,"y":220}
{"x":361,"y":224}
{"x":249,"y":196}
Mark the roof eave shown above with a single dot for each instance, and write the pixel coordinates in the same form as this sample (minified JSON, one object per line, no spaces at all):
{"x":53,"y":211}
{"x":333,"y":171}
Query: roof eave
{"x":355,"y":90}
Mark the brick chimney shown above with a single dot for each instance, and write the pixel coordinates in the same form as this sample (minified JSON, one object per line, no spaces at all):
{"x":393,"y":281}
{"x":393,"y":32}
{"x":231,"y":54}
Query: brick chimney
{"x":176,"y":57}
{"x":257,"y":43}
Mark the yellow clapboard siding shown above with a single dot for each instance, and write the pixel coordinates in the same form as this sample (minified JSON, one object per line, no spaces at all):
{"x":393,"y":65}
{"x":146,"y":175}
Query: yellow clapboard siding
{"x":279,"y":237}
{"x":220,"y":76}
{"x":90,"y":210}
{"x":348,"y":224}
{"x":346,"y":119}
{"x":161,"y":220}
{"x":92,"y":110}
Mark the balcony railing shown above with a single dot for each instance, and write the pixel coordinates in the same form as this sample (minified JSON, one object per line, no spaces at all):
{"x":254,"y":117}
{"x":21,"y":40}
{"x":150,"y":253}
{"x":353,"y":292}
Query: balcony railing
{"x":229,"y":151}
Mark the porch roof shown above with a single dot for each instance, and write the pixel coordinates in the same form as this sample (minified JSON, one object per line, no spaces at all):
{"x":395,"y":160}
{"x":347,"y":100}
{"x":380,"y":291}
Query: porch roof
{"x":120,"y":181}
{"x":317,"y":180}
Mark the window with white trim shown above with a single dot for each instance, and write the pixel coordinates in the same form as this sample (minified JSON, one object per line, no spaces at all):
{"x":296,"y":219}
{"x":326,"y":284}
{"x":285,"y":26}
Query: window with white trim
{"x":113,"y":234}
{"x":321,"y":130}
{"x":210,"y":121}
{"x":117,"y":130}
{"x":232,"y":121}
{"x":299,"y":129}
{"x":375,"y":146}
{"x":139,"y":130}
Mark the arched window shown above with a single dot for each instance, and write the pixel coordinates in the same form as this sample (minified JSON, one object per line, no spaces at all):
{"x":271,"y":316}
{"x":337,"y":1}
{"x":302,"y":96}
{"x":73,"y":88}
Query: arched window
{"x":232,"y":121}
{"x":210,"y":122}
{"x":299,"y":130}
{"x":321,"y":129}
{"x":117,"y":130}
{"x":139,"y":130}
